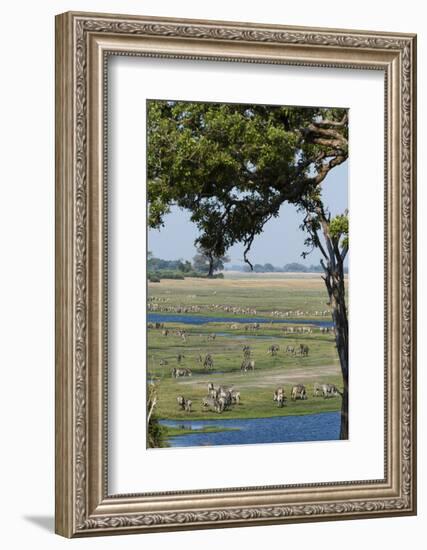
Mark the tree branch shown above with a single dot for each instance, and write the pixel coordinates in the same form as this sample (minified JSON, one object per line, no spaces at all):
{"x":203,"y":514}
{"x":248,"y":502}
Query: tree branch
{"x":332,"y":123}
{"x":326,"y":168}
{"x":248,"y":244}
{"x":344,"y":253}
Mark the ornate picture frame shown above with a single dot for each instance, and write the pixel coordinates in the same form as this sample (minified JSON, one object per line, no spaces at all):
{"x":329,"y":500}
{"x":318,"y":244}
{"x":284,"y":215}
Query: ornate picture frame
{"x":84,"y":42}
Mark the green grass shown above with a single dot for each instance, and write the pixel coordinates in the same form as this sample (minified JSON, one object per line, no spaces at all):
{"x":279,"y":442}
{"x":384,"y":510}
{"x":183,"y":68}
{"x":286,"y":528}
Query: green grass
{"x":256,"y":402}
{"x":265,"y":294}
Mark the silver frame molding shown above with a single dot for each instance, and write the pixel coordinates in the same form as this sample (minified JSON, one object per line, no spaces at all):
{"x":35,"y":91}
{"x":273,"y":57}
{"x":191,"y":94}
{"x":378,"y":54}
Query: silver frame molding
{"x":83,"y":43}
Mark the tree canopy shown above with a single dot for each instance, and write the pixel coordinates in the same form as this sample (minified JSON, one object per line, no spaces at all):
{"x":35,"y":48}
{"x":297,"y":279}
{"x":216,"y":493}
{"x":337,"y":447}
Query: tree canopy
{"x":204,"y":262}
{"x":232,"y":166}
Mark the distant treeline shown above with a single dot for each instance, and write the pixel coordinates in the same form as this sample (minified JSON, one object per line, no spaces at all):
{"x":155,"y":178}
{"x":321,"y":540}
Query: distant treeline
{"x":293,"y":267}
{"x":158,"y":268}
{"x":157,"y":264}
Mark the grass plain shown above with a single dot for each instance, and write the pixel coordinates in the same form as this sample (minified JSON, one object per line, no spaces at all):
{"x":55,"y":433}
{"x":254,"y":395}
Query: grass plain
{"x":283,"y":293}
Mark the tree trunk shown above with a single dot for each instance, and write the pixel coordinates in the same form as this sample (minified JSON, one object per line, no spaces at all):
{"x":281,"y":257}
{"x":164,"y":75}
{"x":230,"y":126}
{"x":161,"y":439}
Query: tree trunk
{"x":334,"y":281}
{"x":211,"y":266}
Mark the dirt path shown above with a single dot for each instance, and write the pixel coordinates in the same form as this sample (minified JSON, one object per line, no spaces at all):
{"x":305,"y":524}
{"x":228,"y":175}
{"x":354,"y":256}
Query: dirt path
{"x":268,"y":378}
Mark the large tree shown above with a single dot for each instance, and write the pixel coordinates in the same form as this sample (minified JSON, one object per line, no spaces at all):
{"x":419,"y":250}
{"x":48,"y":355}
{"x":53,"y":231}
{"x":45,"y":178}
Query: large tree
{"x":330,"y":237}
{"x":233,"y":166}
{"x":205,"y":261}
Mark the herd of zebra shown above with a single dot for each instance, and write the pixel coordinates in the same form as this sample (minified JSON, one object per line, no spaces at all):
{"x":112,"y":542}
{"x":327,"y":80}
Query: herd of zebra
{"x":222,"y":398}
{"x":246,"y":327}
{"x":155,"y":306}
{"x":300,"y":313}
{"x":301,"y":350}
{"x":248,"y":363}
{"x":218,"y":399}
{"x":234,"y":310}
{"x":299,"y":391}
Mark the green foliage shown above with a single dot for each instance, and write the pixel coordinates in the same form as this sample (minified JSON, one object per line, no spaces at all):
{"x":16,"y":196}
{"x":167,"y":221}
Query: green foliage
{"x":157,"y":276}
{"x":338,"y":229}
{"x":232,"y":166}
{"x":157,"y":434}
{"x":157,"y":264}
{"x":164,"y":274}
{"x":166,"y":269}
{"x":199,"y":275}
{"x":208,"y":263}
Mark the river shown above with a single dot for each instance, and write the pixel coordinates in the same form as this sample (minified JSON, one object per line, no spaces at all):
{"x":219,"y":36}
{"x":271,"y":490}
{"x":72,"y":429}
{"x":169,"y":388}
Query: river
{"x":201,"y":319}
{"x":277,"y":429}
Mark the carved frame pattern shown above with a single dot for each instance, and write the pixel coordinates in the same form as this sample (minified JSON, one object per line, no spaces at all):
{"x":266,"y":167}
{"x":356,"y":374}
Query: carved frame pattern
{"x":83,"y":510}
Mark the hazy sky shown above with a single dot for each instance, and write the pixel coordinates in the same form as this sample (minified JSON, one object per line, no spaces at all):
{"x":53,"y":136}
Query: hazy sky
{"x":280,"y":243}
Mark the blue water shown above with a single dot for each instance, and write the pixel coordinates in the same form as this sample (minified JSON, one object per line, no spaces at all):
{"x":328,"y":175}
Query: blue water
{"x":201,"y":319}
{"x":278,"y":429}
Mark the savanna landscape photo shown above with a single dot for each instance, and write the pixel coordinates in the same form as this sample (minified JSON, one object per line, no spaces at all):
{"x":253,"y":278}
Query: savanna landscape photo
{"x":247,"y":274}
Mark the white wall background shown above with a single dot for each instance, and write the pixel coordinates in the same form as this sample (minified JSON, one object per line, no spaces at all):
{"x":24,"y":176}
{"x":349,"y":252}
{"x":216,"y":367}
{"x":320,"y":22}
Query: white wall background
{"x":27,"y":271}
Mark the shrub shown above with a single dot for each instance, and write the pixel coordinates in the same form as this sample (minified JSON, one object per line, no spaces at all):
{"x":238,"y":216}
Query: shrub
{"x":199,"y":275}
{"x":170,"y":275}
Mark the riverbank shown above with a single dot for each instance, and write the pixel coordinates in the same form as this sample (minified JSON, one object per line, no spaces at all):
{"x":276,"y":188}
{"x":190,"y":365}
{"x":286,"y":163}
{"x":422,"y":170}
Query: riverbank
{"x":218,"y":317}
{"x":176,"y":431}
{"x":254,"y":407}
{"x":311,"y":427}
{"x":330,"y":405}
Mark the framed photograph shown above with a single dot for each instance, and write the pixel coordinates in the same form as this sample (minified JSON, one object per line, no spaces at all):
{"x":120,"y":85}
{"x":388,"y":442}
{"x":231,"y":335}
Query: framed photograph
{"x":235,"y":274}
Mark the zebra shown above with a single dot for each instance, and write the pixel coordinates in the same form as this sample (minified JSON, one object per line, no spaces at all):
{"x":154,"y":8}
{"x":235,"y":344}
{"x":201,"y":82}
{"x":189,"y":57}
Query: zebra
{"x":246,"y":352}
{"x":317,"y":389}
{"x":212,"y":391}
{"x":208,"y":362}
{"x":325,"y":390}
{"x":280,"y":397}
{"x":235,"y":397}
{"x":211,"y":403}
{"x":176,"y":373}
{"x":225,"y":391}
{"x":272,"y":350}
{"x":221,"y":404}
{"x":224,"y":398}
{"x":298,"y":392}
{"x":181,"y":401}
{"x":303,"y":349}
{"x":329,"y":390}
{"x":247,"y":364}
